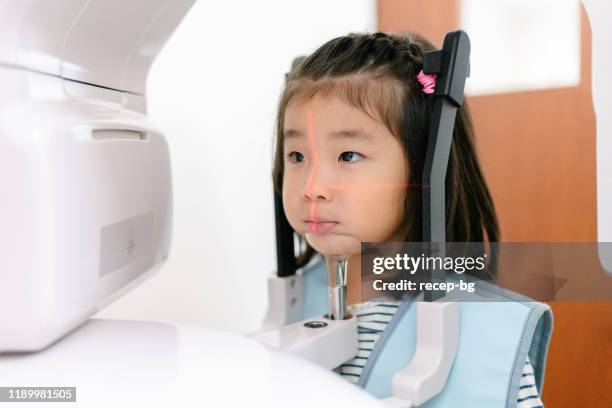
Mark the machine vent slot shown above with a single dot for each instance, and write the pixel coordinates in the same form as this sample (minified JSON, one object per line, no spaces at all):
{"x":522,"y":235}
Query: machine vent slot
{"x":117,"y":134}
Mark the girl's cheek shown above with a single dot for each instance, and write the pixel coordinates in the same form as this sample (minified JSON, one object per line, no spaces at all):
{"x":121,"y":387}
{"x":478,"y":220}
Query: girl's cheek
{"x":381,"y":214}
{"x":289,"y":203}
{"x":366,"y":213}
{"x":372,"y":200}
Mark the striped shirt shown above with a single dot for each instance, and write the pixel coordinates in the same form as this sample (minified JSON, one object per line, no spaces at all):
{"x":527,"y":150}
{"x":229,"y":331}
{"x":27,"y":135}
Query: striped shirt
{"x":373,"y":317}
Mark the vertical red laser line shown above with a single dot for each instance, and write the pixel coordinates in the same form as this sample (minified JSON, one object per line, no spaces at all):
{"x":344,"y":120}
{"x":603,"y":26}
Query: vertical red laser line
{"x":314,"y":164}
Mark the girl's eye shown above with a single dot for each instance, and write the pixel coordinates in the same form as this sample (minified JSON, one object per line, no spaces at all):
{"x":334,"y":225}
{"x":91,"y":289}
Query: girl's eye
{"x":295,"y":157}
{"x":351,"y":156}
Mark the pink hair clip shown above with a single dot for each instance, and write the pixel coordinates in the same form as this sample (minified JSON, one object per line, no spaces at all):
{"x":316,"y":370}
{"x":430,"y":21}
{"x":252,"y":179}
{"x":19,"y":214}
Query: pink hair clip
{"x":428,"y":81}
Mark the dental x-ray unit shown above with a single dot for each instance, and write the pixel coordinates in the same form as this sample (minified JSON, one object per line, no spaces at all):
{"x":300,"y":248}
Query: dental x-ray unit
{"x":87,"y":201}
{"x":331,"y":340}
{"x":86,"y":213}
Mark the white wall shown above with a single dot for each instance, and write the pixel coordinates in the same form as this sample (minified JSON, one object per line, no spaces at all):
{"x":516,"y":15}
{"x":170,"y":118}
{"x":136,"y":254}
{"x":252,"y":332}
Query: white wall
{"x":214,"y":91}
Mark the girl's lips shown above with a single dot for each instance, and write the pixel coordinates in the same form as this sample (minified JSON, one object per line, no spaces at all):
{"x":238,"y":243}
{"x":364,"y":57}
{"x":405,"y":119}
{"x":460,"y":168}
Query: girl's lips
{"x":320,"y":228}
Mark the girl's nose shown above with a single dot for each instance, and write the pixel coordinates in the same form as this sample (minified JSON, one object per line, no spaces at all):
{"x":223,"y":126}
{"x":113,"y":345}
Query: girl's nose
{"x":317,"y":187}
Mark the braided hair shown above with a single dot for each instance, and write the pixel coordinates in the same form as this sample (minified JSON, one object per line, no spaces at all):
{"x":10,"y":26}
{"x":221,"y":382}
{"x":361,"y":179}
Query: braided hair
{"x":377,"y":73}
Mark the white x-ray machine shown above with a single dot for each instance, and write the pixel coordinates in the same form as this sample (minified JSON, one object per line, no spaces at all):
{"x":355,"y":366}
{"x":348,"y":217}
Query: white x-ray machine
{"x":86,"y":214}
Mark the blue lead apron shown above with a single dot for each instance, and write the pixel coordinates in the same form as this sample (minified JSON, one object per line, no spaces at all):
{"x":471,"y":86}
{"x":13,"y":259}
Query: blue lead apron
{"x":494,"y":341}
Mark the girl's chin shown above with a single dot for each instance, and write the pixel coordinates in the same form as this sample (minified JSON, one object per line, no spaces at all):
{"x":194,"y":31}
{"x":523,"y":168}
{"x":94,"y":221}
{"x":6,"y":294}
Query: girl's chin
{"x":334,"y":245}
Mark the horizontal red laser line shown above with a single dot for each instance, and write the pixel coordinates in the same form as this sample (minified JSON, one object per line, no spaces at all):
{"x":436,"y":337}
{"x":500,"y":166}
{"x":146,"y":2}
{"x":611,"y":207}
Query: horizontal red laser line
{"x":377,"y":186}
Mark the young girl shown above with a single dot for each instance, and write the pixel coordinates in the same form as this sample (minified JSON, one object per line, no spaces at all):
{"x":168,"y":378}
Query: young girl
{"x":352,"y":134}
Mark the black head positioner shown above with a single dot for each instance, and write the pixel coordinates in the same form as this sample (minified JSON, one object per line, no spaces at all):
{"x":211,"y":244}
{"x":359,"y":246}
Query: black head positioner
{"x":451,"y":66}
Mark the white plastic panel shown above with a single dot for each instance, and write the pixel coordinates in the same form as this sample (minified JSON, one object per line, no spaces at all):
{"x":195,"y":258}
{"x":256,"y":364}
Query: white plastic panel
{"x":123,"y":242}
{"x":109,"y":43}
{"x":118,"y":363}
{"x":112,"y":38}
{"x":102,"y":39}
{"x":600,"y":13}
{"x":83,"y":181}
{"x":32,"y":32}
{"x":151,"y":42}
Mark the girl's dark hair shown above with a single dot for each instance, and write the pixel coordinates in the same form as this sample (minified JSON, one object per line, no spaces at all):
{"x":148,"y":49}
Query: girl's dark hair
{"x":377,"y":73}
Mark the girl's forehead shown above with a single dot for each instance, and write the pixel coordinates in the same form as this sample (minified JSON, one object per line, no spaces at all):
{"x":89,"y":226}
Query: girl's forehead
{"x":334,"y":119}
{"x":327,"y":111}
{"x":365,"y":96}
{"x":318,"y":102}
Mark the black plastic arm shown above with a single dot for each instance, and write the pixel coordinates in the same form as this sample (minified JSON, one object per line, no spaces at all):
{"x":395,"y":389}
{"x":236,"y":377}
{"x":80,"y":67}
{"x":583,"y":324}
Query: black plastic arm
{"x":286,"y":264}
{"x":451,"y":66}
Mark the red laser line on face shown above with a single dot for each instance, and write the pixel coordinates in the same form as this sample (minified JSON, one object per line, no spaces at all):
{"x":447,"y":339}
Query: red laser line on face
{"x":378,"y":186}
{"x":315,"y":161}
{"x":310,"y":132}
{"x":315,"y":165}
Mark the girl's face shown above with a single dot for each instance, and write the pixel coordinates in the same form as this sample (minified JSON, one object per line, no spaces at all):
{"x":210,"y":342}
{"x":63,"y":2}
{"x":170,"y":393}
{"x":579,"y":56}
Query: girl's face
{"x":344,"y":175}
